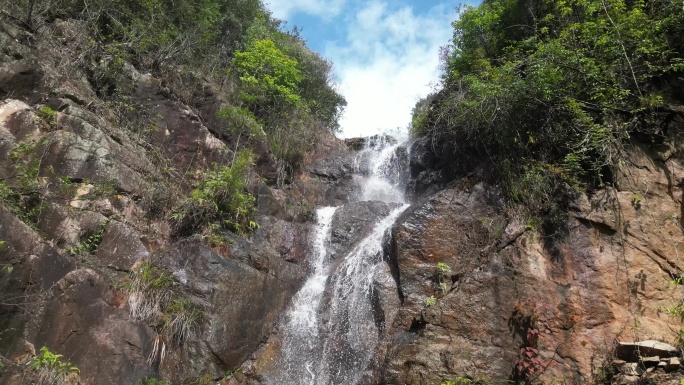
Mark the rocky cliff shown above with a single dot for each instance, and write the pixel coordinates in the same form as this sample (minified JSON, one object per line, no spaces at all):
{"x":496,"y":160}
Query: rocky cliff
{"x":478,"y":295}
{"x":93,"y":268}
{"x":614,"y":277}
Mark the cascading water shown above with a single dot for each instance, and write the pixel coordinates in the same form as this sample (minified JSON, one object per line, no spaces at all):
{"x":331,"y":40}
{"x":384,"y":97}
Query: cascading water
{"x":384,"y":175}
{"x":302,"y":329}
{"x":330,"y":332}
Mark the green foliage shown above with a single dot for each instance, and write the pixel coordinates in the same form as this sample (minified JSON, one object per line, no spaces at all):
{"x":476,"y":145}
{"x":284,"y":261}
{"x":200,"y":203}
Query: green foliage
{"x":220,"y":201}
{"x":547,"y":92}
{"x":47,"y":114}
{"x":18,"y":204}
{"x":430,"y":301}
{"x":23,"y":192}
{"x":231,"y":372}
{"x":285,"y":85}
{"x":442,"y":272}
{"x":236,"y":44}
{"x":27,"y":164}
{"x":90,"y":244}
{"x":443,"y":268}
{"x":153,"y":381}
{"x":153,"y":298}
{"x":269,"y":76}
{"x":50,"y":368}
{"x":240,"y":121}
{"x":324,"y":103}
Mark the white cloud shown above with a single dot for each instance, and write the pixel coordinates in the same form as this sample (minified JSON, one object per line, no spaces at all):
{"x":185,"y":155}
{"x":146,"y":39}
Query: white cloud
{"x":283,"y":9}
{"x":387,"y":63}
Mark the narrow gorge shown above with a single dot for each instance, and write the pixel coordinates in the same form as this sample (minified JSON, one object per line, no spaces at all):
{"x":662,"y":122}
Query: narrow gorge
{"x":177,"y":208}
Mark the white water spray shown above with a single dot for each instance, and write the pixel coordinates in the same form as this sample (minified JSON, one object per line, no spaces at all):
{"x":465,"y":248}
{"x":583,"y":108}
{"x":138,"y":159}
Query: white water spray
{"x":331,"y":329}
{"x":302,"y":328}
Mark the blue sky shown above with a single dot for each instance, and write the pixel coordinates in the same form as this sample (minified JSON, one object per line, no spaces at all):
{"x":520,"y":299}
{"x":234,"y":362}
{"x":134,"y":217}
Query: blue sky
{"x":385,"y":53}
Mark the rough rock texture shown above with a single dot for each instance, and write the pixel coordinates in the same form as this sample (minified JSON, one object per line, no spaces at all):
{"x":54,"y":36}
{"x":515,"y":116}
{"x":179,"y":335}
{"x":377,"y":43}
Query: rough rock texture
{"x":467,"y":329}
{"x":92,"y":178}
{"x":431,"y":167}
{"x":353,"y":223}
{"x":337,"y":172}
{"x":96,"y":177}
{"x":239,"y":302}
{"x":609,"y":279}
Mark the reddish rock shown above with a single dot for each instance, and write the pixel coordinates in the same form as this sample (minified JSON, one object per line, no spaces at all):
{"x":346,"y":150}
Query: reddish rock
{"x":120,"y":246}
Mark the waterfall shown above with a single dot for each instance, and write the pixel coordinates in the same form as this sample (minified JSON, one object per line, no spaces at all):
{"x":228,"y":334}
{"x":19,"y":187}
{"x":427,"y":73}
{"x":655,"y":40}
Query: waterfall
{"x":384,"y":175}
{"x":330,"y":332}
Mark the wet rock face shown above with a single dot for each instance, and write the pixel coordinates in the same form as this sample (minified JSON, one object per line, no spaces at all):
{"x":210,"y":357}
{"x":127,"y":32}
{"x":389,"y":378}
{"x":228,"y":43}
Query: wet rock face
{"x":354,"y":222}
{"x":241,"y":304}
{"x":431,"y":166}
{"x":466,"y":328}
{"x":336,"y":172}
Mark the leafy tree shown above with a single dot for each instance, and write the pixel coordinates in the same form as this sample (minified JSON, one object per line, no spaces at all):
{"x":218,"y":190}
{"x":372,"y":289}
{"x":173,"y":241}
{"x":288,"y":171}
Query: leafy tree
{"x":549,"y":92}
{"x":269,"y":76}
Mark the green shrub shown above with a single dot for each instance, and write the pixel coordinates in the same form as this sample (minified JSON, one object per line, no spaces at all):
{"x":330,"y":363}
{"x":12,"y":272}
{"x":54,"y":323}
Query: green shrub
{"x":153,"y":381}
{"x":47,"y":114}
{"x":269,"y":76}
{"x":549,"y":92}
{"x":220,"y":201}
{"x":240,"y":121}
{"x":50,"y":369}
{"x":153,"y":298}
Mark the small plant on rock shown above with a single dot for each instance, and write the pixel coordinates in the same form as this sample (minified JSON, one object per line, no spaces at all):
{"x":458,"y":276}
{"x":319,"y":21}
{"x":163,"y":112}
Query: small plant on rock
{"x":150,"y":290}
{"x":91,"y":243}
{"x":430,"y":301}
{"x":441,"y":275}
{"x":525,"y":319}
{"x":50,"y":369}
{"x":179,"y":318}
{"x":154,"y":298}
{"x":220,"y":201}
{"x":48,"y":114}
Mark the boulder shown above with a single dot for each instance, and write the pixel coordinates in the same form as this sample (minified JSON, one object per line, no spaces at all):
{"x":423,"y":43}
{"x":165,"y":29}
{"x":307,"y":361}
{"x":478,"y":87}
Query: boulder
{"x":632,"y":351}
{"x":240,"y":305}
{"x":120,"y":246}
{"x":87,"y":322}
{"x":673,"y":364}
{"x":630,"y":369}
